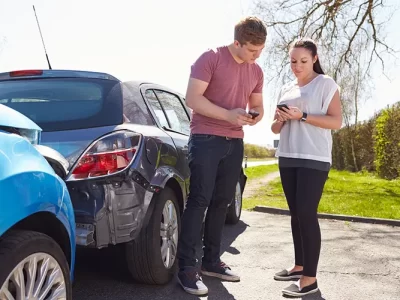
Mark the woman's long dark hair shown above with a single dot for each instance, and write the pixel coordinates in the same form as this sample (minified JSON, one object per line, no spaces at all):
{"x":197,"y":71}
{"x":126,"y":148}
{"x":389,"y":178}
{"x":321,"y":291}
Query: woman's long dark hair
{"x":310,"y":45}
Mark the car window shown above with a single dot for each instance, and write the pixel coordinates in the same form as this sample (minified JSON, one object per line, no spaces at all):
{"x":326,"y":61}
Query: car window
{"x":153,"y":101}
{"x":135,"y":109}
{"x":177,"y":116}
{"x":65,"y":103}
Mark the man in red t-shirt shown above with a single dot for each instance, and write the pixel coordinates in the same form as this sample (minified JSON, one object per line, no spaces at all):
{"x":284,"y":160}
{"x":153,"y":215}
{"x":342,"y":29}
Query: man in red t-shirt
{"x":223,"y":83}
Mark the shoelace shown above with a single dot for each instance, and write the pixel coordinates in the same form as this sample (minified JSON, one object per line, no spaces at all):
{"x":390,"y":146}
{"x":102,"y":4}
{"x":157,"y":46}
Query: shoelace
{"x":224,"y":265}
{"x":194,"y":276}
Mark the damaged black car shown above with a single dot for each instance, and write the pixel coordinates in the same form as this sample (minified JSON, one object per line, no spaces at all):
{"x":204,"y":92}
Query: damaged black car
{"x":126,"y":146}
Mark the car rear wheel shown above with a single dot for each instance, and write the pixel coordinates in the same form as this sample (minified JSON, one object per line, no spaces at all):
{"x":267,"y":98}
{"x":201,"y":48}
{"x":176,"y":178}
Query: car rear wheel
{"x":235,"y":209}
{"x":152,"y":256}
{"x":33,"y":266}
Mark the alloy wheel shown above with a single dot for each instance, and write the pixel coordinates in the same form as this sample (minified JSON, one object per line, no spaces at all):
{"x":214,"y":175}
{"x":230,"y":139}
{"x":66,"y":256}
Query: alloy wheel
{"x":169,"y":234}
{"x":37,"y":277}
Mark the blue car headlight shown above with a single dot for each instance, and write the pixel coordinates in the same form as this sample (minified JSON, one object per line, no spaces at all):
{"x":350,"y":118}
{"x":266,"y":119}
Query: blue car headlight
{"x":33,"y":136}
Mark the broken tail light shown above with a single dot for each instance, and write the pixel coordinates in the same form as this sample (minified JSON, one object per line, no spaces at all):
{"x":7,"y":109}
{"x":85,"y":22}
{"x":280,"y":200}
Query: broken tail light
{"x":109,"y":155}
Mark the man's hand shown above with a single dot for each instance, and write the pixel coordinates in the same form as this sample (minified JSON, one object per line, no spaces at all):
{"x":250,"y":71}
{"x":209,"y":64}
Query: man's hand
{"x":239,"y":116}
{"x":256,"y":104}
{"x":256,"y":119}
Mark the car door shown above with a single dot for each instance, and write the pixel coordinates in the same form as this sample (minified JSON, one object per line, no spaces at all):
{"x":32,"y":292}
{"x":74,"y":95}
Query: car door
{"x":173,"y":119}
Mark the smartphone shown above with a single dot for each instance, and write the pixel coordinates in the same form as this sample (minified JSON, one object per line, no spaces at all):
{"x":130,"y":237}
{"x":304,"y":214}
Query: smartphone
{"x":280,"y":106}
{"x":254,"y":114}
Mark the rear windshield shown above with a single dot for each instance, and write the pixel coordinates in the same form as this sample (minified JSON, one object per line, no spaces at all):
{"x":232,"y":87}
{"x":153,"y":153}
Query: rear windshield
{"x":65,"y":103}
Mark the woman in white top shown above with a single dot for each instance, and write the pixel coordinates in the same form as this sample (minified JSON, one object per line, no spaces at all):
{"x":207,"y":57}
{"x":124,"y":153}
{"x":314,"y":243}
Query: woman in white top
{"x":305,"y":159}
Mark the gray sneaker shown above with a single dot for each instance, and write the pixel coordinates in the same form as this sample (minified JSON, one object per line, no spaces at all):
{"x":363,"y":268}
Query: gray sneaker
{"x":219,"y":270}
{"x":191,"y":282}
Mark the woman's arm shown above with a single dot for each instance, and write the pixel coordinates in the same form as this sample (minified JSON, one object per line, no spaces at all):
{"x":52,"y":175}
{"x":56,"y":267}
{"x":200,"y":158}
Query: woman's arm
{"x":277,"y":126}
{"x":278,"y":123}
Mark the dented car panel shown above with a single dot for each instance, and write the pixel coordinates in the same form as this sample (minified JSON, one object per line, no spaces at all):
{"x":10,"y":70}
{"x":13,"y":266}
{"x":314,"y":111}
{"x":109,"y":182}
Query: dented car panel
{"x":113,"y":210}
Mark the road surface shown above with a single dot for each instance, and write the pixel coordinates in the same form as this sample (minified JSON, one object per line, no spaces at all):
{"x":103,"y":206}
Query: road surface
{"x":358,"y":262}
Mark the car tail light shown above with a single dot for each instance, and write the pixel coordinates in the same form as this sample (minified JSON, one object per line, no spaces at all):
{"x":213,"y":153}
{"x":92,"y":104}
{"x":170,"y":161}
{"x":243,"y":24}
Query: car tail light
{"x":26,"y":73}
{"x":109,"y":155}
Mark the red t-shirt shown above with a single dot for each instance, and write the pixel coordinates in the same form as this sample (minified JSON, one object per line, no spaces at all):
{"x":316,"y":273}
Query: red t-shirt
{"x":230,"y":86}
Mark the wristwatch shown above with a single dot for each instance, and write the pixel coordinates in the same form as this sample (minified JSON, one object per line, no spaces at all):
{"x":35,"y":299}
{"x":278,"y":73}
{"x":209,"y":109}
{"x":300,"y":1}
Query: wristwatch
{"x":304,"y":117}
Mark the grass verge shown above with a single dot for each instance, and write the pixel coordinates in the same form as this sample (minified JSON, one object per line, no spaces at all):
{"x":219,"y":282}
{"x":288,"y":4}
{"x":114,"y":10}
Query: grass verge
{"x":260,"y":171}
{"x":345,"y":193}
{"x":261,"y":159}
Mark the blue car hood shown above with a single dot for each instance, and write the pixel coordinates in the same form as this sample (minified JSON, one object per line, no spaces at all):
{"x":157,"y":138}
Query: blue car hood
{"x":11,"y":118}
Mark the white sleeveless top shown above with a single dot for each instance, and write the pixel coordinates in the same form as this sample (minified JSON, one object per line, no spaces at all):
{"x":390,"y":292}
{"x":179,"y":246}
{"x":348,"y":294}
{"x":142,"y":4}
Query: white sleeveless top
{"x":300,"y":139}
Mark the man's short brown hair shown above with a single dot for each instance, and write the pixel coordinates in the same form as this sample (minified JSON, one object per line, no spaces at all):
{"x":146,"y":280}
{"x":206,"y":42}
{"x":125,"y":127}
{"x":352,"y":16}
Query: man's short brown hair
{"x":251,"y":30}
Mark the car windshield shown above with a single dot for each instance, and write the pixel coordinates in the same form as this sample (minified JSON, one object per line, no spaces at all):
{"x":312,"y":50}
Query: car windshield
{"x":65,"y":103}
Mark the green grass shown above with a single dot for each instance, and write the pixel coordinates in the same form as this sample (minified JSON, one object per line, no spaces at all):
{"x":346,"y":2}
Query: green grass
{"x":345,"y":193}
{"x":260,"y":171}
{"x":261,"y":159}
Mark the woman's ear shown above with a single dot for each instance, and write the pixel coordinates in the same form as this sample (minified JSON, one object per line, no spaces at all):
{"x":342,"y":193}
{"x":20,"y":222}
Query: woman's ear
{"x":315,"y":59}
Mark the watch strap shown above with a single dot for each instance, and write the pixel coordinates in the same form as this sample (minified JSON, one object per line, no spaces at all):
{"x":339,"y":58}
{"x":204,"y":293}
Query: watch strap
{"x":304,"y":117}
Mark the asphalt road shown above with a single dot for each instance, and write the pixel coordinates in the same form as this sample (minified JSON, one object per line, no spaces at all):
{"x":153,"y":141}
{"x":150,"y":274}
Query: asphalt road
{"x":358,"y":261}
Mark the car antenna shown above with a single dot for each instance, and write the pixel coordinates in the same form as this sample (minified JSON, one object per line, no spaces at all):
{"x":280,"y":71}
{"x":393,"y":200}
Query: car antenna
{"x":45,"y":51}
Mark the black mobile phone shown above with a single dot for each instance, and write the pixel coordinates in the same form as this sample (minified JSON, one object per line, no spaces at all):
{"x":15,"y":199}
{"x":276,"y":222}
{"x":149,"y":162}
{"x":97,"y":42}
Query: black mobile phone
{"x":280,"y":106}
{"x":254,"y":114}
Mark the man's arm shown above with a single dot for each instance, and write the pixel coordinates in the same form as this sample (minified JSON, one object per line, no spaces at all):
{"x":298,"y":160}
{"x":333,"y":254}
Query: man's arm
{"x":201,"y":105}
{"x":256,"y":98}
{"x":256,"y":103}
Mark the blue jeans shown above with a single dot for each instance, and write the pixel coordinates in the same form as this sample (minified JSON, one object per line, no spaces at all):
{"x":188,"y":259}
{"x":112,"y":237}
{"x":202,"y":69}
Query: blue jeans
{"x":215,"y":164}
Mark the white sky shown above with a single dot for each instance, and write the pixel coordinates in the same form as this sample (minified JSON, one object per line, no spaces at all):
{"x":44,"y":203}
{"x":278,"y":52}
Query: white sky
{"x":156,"y":40}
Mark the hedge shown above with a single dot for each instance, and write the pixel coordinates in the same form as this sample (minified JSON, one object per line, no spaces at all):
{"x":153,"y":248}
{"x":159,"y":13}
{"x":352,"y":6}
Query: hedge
{"x":375,"y":143}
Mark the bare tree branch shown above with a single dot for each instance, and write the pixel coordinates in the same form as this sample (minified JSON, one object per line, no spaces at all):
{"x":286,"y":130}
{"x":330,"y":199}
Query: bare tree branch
{"x":335,"y":23}
{"x":350,"y":36}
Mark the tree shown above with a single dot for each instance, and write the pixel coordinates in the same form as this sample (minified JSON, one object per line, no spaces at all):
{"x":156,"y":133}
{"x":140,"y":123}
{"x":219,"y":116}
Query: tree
{"x":350,"y":37}
{"x":387,"y":143}
{"x":337,"y":25}
{"x":354,"y":83}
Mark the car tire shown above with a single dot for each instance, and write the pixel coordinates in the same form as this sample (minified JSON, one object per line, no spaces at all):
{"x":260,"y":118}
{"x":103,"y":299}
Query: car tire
{"x":235,"y":209}
{"x":143,"y":255}
{"x":29,"y":249}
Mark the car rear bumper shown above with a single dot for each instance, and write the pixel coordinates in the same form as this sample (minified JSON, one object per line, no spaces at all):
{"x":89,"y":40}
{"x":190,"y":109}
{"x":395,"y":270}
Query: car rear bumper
{"x":112,"y":211}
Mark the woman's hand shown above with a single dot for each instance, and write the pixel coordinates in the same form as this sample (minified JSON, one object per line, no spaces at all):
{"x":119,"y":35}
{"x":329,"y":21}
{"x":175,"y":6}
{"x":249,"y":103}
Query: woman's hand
{"x":279,"y":117}
{"x":278,"y":123}
{"x":293,"y":113}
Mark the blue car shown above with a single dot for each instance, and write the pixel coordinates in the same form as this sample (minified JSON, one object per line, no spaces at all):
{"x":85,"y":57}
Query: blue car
{"x":37,"y":225}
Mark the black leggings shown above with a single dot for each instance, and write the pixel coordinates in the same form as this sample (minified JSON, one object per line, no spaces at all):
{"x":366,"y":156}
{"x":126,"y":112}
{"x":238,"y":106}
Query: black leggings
{"x":303,"y":190}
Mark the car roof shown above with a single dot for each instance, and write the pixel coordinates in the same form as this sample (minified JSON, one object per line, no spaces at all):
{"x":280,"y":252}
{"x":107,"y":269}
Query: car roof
{"x":138,"y":83}
{"x":30,"y":74}
{"x":35,"y":74}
